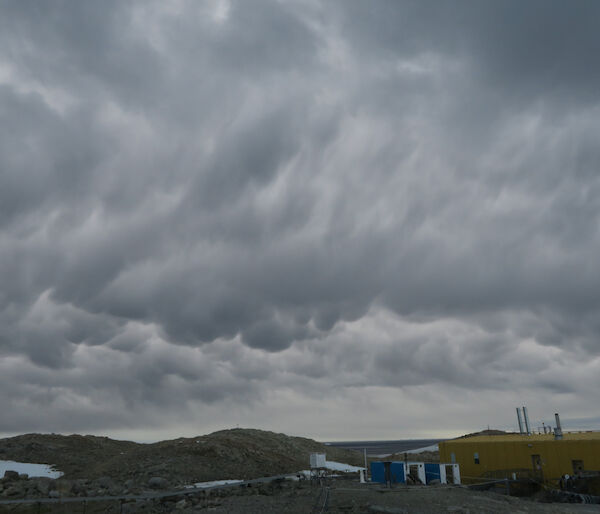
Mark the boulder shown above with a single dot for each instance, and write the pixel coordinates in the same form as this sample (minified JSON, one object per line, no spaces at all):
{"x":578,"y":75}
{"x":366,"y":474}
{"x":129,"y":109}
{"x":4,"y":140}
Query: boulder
{"x":78,"y":488}
{"x":54,"y":494}
{"x":104,"y":483}
{"x":14,"y":490}
{"x":158,"y":483}
{"x":11,"y":475}
{"x":63,"y":486}
{"x":43,"y":486}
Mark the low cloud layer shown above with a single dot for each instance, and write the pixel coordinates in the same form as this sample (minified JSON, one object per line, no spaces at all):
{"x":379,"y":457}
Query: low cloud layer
{"x":253,"y":213}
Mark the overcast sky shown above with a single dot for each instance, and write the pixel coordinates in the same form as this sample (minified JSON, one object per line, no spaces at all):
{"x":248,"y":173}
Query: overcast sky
{"x":338,"y":219}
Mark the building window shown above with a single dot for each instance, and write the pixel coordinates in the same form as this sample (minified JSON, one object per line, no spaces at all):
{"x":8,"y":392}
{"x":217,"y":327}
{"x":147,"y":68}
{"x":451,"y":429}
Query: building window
{"x":476,"y":458}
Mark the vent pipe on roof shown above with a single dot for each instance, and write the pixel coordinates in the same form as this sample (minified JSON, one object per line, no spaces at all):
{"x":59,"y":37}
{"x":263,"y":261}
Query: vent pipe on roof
{"x":527,"y":425}
{"x":520,"y":420}
{"x":558,"y":430}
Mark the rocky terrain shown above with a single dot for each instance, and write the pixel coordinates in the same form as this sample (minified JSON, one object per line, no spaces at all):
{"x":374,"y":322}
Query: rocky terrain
{"x":227,"y":454}
{"x":134,"y":477}
{"x":339,"y":495}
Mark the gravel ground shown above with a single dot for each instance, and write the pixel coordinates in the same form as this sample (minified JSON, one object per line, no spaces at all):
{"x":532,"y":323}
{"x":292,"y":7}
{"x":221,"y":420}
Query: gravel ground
{"x":351,"y":497}
{"x":341,"y":496}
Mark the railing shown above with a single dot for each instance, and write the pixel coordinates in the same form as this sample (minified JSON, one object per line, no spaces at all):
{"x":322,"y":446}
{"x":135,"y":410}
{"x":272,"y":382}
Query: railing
{"x":541,"y":432}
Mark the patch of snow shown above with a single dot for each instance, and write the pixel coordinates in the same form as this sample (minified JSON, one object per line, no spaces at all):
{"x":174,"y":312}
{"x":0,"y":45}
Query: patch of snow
{"x":340,"y":466}
{"x":432,"y":448}
{"x":335,"y":466}
{"x":33,"y":470}
{"x":307,"y":474}
{"x":204,"y":485}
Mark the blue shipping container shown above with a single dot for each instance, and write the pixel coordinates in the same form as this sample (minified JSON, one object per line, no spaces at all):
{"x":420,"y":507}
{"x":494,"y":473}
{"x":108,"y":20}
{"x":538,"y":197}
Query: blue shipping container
{"x":396,"y":472}
{"x":432,"y":472}
{"x":377,"y":472}
{"x":397,"y":469}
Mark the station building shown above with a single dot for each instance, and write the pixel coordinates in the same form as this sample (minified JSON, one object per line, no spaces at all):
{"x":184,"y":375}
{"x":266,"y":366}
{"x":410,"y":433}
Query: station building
{"x":543,"y":457}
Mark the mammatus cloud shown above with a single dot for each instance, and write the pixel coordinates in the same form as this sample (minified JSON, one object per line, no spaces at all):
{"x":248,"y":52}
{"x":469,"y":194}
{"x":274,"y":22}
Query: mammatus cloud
{"x":238,"y":213}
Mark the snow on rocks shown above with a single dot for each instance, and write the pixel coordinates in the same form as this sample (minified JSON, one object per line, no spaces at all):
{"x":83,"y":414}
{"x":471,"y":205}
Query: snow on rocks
{"x":213,"y":483}
{"x":339,"y":466}
{"x":33,"y":470}
{"x":335,"y":466}
{"x":331,"y":465}
{"x":432,"y":448}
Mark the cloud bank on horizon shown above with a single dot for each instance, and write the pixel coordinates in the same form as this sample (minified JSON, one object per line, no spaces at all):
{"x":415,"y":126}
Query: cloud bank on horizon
{"x":282,"y":214}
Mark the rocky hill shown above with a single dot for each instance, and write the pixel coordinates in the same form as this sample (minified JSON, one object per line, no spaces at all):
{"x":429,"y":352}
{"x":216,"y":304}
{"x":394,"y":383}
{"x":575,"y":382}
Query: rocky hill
{"x":236,"y":453}
{"x":434,"y":456}
{"x":484,"y":432}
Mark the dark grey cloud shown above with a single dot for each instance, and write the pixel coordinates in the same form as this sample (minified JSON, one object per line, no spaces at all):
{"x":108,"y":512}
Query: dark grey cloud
{"x":544,"y":48}
{"x":223,"y":210}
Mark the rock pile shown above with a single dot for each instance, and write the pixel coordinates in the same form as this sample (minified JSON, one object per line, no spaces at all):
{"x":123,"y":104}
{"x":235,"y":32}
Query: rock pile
{"x":15,"y":485}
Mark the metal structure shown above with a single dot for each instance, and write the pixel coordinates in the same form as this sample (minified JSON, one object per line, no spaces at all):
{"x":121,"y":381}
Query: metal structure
{"x":520,"y":420}
{"x":318,"y":467}
{"x":527,"y":425}
{"x":318,"y":460}
{"x":558,"y":430}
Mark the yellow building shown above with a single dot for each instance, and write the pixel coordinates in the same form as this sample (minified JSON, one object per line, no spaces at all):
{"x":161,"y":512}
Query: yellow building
{"x":539,"y":456}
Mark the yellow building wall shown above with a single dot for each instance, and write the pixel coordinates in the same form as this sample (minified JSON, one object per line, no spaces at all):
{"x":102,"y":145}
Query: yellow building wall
{"x":513,"y":453}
